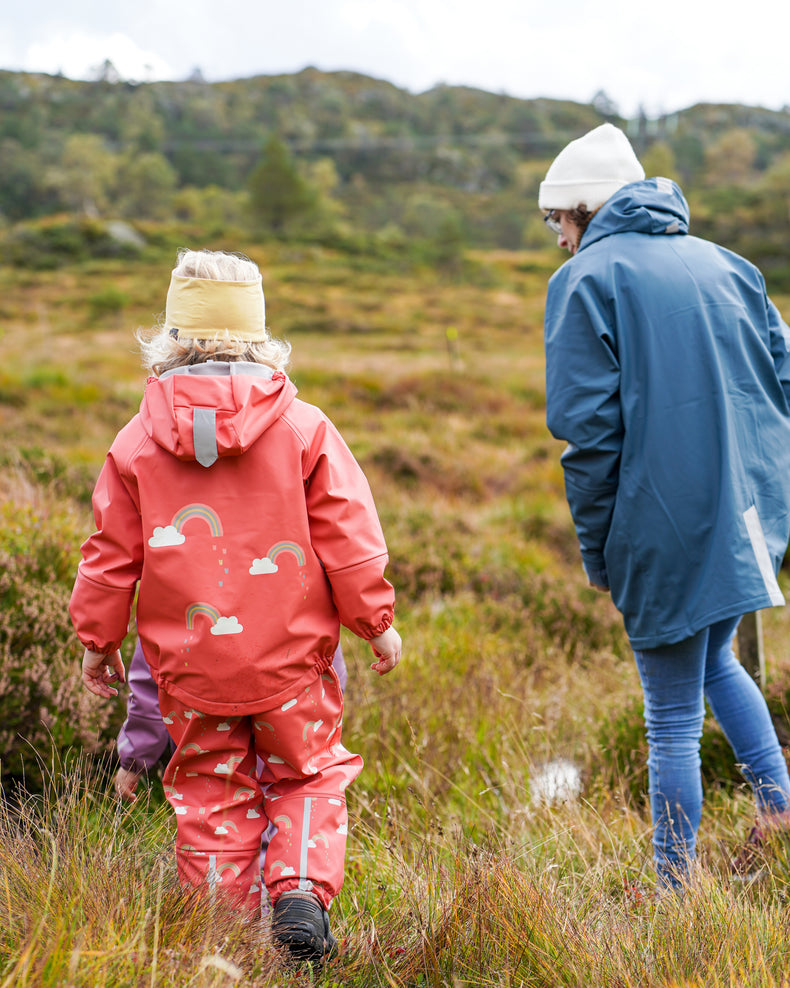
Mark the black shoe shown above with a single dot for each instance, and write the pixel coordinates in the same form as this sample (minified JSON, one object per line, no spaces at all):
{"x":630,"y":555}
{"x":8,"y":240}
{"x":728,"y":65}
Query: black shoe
{"x":301,"y":924}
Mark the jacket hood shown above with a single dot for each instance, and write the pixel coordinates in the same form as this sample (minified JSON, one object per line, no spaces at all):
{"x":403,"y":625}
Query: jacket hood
{"x":205,"y":411}
{"x":653,"y":206}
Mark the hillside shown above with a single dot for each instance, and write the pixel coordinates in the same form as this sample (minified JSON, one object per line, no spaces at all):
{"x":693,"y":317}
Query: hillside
{"x":453,"y":164}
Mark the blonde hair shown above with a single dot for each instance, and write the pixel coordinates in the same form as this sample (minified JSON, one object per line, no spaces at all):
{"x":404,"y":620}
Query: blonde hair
{"x":163,"y":352}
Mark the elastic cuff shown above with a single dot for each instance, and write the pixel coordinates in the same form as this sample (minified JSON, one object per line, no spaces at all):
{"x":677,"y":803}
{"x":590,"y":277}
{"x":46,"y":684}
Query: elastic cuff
{"x":380,"y":628}
{"x":318,"y":889}
{"x":102,"y":649}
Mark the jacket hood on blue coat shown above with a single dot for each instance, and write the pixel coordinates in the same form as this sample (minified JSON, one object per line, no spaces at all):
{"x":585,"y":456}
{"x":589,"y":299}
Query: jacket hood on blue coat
{"x":655,"y":206}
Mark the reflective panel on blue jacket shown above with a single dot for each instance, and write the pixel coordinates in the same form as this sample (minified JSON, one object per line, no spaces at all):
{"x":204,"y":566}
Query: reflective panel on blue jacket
{"x":667,"y":373}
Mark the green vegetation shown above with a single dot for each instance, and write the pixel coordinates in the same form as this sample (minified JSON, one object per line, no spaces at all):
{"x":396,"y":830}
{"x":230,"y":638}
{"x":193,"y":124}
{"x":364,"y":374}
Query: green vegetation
{"x":348,"y":161}
{"x":44,"y":712}
{"x":460,"y":872}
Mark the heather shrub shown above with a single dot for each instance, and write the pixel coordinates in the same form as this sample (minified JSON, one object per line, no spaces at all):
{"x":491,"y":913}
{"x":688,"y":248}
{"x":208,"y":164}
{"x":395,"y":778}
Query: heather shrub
{"x":45,"y":713}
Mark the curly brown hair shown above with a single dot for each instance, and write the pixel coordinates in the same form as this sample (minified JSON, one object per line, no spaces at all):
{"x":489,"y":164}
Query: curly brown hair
{"x":580,"y":216}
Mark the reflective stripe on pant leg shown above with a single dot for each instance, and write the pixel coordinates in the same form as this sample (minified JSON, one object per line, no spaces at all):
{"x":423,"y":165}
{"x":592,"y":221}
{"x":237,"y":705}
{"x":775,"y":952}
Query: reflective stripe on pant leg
{"x":305,"y":774}
{"x":304,"y":883}
{"x":211,"y":784}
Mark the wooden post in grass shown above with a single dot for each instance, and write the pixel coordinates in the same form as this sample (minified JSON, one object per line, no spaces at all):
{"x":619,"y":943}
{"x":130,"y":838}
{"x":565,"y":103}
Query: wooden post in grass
{"x":750,"y":647}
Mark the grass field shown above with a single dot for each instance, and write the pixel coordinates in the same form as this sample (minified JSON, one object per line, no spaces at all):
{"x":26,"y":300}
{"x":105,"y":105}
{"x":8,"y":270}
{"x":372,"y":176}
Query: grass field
{"x":465,"y":867}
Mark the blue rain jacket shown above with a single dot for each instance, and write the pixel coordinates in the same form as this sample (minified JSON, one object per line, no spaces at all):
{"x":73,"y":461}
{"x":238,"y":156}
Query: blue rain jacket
{"x":668,"y":374}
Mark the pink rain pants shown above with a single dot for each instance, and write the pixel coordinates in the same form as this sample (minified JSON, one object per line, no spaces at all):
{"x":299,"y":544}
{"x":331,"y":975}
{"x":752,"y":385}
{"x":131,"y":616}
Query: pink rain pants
{"x":222,"y":806}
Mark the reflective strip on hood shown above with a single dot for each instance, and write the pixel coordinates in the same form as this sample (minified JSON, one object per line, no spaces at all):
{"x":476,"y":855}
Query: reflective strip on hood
{"x":204,"y":435}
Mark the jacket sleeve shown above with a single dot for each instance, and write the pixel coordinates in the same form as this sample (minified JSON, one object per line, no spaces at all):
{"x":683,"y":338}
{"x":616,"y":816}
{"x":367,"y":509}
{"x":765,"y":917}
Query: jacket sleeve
{"x":583,"y":408}
{"x":346,"y":534}
{"x":143,"y":739}
{"x":101,"y":601}
{"x":780,"y":346}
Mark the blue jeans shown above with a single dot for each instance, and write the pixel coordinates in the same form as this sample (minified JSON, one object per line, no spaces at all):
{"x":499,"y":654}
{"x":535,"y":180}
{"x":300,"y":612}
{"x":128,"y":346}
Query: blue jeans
{"x":676,"y":680}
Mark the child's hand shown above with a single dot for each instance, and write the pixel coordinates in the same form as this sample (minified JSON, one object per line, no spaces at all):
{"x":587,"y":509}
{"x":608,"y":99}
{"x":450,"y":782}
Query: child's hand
{"x":125,"y":784}
{"x":387,"y":647}
{"x":97,"y":675}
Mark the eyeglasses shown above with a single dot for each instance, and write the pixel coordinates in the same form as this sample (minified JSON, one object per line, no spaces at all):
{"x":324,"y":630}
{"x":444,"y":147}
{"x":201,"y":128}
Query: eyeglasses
{"x":552,"y":221}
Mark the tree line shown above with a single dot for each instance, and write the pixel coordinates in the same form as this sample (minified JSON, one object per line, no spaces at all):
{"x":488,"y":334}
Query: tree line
{"x":338,"y":156}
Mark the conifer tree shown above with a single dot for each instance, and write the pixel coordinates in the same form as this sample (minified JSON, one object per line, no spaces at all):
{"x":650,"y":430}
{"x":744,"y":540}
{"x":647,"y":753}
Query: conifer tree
{"x":279,"y":194}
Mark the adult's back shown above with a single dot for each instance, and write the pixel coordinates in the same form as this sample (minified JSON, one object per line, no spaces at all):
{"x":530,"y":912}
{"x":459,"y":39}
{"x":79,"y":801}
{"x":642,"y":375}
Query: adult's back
{"x":668,"y":374}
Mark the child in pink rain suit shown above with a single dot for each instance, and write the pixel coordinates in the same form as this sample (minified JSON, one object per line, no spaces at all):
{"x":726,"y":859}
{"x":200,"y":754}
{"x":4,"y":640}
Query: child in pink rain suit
{"x":247,"y":529}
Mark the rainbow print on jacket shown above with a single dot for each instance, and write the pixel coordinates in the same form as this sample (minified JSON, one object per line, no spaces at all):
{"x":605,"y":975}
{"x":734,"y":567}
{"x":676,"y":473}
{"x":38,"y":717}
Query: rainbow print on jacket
{"x":219,"y":625}
{"x":268,"y":563}
{"x":173,"y":534}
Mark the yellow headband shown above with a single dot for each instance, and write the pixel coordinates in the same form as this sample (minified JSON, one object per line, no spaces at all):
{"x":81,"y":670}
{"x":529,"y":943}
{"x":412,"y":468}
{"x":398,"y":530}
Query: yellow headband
{"x":202,"y":308}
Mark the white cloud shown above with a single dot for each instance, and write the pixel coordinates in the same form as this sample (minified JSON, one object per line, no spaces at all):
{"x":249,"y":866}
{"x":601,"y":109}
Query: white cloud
{"x":169,"y":535}
{"x":265,"y":565}
{"x":314,"y":724}
{"x":80,"y":54}
{"x":227,"y":626}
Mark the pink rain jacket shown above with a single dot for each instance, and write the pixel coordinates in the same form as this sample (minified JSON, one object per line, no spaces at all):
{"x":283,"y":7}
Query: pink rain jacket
{"x":251,"y":530}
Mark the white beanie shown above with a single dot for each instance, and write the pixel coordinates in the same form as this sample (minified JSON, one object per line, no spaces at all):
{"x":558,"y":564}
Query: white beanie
{"x":590,"y":170}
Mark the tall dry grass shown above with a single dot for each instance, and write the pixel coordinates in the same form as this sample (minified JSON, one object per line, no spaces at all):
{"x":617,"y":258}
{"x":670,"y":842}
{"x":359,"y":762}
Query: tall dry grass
{"x":554,"y":895}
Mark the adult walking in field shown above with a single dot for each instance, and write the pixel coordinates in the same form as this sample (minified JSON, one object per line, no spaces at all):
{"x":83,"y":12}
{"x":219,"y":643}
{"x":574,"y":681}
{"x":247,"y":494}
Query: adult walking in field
{"x":252,"y":533}
{"x":668,"y":375}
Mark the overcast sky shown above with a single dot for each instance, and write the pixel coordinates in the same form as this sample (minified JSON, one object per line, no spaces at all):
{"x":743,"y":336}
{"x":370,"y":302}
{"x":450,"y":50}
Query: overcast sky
{"x":663,"y":56}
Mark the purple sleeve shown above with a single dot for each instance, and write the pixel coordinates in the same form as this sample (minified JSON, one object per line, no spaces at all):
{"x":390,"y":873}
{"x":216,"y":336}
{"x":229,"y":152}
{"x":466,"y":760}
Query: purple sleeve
{"x":339,"y":664}
{"x":143,"y":739}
